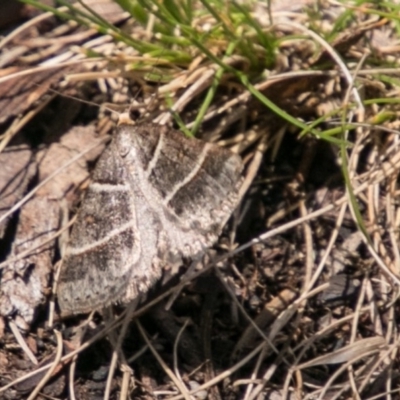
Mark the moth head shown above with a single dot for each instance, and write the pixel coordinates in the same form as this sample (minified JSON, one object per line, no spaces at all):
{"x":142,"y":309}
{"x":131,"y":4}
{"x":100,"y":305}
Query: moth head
{"x":123,"y":140}
{"x":123,"y":135}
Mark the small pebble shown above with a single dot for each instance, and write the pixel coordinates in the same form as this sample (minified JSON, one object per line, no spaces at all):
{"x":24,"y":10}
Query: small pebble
{"x":100,"y":374}
{"x":202,"y":394}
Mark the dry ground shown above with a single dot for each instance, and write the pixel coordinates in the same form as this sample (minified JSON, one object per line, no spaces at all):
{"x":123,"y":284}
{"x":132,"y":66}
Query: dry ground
{"x":299,"y":298}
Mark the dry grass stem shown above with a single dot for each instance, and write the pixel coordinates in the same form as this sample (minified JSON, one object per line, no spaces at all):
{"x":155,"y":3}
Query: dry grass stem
{"x":168,"y":371}
{"x":303,"y":284}
{"x":22,"y":343}
{"x":52,"y":368}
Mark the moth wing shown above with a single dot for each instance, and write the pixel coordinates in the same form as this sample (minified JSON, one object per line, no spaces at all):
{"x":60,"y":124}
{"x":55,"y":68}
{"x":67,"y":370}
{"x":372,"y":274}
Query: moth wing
{"x":206,"y":202}
{"x":104,"y":245}
{"x":198,"y":185}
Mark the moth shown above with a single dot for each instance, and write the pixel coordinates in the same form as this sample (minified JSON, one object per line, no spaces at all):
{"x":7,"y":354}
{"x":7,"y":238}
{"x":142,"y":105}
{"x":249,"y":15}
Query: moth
{"x":156,"y":197}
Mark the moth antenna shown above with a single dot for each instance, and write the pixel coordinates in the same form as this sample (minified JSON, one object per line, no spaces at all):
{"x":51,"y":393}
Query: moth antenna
{"x":88,"y":102}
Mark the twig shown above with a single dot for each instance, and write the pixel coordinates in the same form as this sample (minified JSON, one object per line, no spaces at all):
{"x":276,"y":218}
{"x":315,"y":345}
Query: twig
{"x":22,"y":342}
{"x":53,"y":366}
{"x":179,"y":385}
{"x":175,"y":354}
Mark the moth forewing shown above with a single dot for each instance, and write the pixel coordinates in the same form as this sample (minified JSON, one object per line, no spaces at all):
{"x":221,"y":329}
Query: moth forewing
{"x":156,"y":196}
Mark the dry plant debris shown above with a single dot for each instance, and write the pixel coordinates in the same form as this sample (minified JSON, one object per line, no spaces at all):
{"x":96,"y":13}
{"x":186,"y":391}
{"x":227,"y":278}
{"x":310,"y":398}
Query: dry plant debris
{"x":299,"y":300}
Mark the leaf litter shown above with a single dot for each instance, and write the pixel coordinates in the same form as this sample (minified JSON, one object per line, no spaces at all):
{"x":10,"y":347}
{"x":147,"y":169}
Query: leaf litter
{"x":304,"y":280}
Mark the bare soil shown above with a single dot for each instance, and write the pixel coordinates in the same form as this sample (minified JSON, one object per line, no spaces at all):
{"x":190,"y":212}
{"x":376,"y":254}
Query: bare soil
{"x":297,"y":300}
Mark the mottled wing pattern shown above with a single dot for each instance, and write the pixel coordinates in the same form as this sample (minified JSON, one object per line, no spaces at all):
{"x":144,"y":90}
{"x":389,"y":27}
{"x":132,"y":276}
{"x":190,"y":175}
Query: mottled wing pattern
{"x":103,"y":247}
{"x":156,"y":197}
{"x":193,"y":185}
